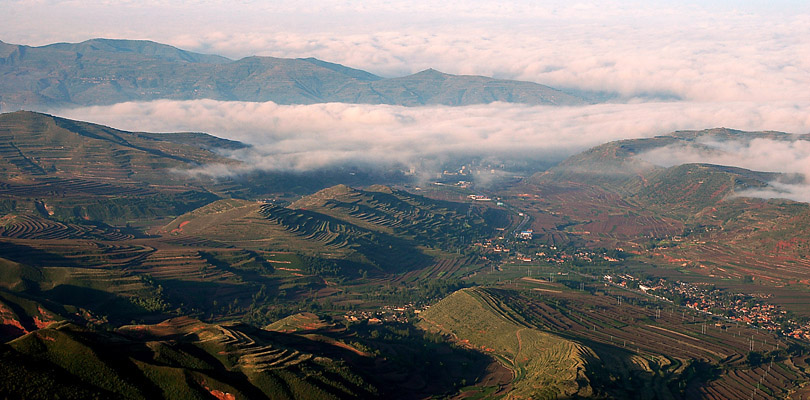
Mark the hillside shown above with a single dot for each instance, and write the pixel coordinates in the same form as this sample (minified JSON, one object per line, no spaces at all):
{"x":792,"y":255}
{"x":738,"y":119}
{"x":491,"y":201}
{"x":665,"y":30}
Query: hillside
{"x":180,"y":358}
{"x":626,"y":166}
{"x":72,"y":171}
{"x":39,"y":146}
{"x":648,"y":196}
{"x":629,"y":171}
{"x":543,"y":365}
{"x":428,"y":222}
{"x":186,"y":358}
{"x":563,"y":343}
{"x":104,"y":71}
{"x":381,"y":229}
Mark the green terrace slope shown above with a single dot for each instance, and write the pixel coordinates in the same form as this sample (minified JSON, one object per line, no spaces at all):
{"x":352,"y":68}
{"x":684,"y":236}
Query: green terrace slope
{"x":385,"y":252}
{"x":103,"y":71}
{"x":544,"y":365}
{"x":426,"y":221}
{"x":564,"y":343}
{"x":264,"y":226}
{"x":389,"y":230}
{"x":76,"y":173}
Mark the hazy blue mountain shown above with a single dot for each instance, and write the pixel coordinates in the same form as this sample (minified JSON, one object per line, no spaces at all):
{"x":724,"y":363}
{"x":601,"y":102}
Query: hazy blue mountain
{"x":104,"y":71}
{"x":434,"y":87}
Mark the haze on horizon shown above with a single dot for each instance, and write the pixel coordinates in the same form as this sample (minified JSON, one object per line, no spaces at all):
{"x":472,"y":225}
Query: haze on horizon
{"x":672,"y":65}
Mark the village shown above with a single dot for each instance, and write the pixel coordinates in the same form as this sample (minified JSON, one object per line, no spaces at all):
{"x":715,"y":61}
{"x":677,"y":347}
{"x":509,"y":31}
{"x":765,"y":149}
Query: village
{"x":386,"y":314}
{"x":751,"y":309}
{"x":517,"y":248}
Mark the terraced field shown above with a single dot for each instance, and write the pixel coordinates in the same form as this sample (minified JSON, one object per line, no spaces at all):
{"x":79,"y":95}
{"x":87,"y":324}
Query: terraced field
{"x":84,"y":239}
{"x":73,"y":186}
{"x":565,"y":212}
{"x":35,"y":145}
{"x":133,"y":278}
{"x":543,"y":365}
{"x":74,"y":253}
{"x":32,"y":227}
{"x":625,"y":324}
{"x":384,"y":251}
{"x":379,"y":208}
{"x":731,"y":262}
{"x":444,"y":268}
{"x":186,"y":358}
{"x":11,"y":154}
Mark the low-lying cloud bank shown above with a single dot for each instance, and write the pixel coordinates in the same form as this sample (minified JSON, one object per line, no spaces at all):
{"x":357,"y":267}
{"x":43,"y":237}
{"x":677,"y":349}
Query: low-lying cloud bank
{"x":311,"y":137}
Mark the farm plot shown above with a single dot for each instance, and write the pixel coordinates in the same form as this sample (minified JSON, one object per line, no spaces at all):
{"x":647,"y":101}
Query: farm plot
{"x":426,"y":221}
{"x":625,"y":322}
{"x":443,"y":268}
{"x":73,"y":253}
{"x":737,"y":262}
{"x":32,"y":227}
{"x":384,"y":251}
{"x":71,"y":186}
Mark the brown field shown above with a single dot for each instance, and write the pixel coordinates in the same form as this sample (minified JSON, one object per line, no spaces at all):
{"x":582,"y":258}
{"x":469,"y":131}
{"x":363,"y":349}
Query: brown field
{"x":660,"y":331}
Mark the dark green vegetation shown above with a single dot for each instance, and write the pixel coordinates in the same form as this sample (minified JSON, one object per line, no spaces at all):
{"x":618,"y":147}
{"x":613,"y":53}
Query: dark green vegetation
{"x":123,"y":277}
{"x":185,"y":358}
{"x":103,"y":71}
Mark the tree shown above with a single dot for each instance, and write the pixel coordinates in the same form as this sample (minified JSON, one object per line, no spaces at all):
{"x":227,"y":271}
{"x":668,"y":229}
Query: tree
{"x":755,"y":358}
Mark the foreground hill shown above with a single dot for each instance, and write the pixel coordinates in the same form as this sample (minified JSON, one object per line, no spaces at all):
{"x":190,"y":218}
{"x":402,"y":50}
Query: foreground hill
{"x":189,"y":359}
{"x":104,"y":71}
{"x":564,"y":343}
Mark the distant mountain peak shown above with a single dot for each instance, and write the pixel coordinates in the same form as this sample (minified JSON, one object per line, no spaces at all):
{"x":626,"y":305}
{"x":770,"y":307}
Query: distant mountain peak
{"x":431,"y":72}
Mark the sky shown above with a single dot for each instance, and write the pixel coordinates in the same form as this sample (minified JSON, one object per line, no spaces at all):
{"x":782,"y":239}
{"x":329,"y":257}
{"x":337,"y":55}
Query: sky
{"x":672,"y":65}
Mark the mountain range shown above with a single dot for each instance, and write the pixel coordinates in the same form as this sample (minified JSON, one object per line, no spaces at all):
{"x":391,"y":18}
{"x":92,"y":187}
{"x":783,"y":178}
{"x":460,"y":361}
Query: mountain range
{"x":107,"y":71}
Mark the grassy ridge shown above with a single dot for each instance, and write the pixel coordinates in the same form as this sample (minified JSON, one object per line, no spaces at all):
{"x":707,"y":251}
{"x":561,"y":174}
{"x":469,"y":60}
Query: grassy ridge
{"x":544,"y":365}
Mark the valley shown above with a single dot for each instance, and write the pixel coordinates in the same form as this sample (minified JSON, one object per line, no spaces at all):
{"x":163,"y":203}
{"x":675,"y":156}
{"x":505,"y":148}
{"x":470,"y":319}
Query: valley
{"x":660,"y":282}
